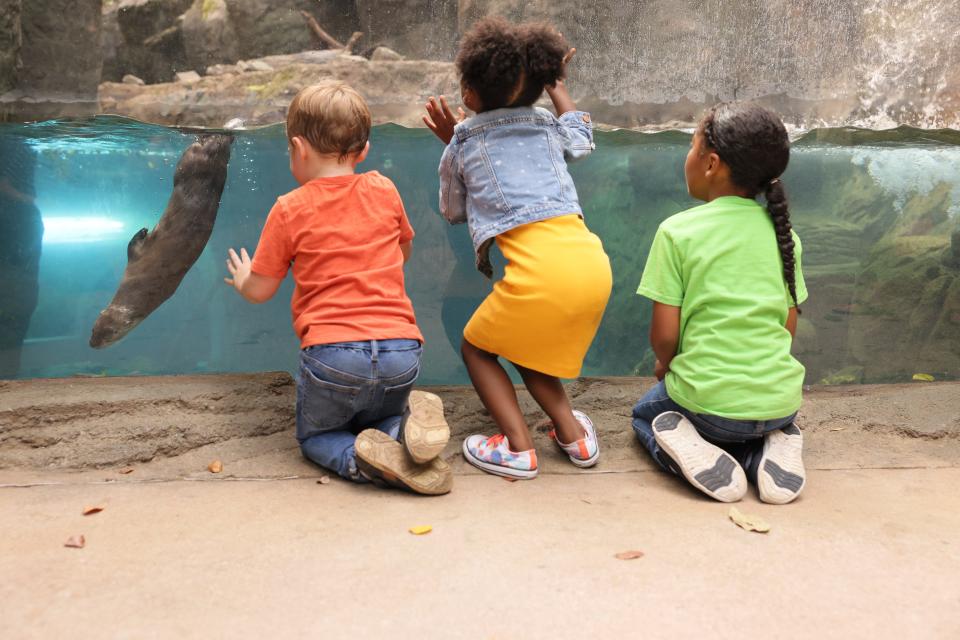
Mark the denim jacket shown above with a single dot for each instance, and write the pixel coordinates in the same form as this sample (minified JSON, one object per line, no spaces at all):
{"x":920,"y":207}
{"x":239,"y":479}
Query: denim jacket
{"x":507,"y":167}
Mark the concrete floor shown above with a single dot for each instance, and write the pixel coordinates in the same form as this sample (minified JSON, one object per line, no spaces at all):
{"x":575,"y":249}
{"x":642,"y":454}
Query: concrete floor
{"x":871,"y":553}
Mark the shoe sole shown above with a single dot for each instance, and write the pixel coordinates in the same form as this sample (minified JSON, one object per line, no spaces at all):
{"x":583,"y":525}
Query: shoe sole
{"x":388,"y":457}
{"x":496,"y":469}
{"x":583,"y":464}
{"x":426,"y":431}
{"x":706,"y":466}
{"x":781,"y":475}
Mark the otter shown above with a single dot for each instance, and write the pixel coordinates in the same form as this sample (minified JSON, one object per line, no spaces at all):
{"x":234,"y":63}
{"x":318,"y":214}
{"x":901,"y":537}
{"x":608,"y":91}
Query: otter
{"x":157,"y":261}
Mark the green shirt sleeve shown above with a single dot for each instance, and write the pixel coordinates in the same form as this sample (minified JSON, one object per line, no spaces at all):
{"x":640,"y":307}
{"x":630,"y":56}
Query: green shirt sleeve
{"x":801,"y":285}
{"x":662,"y":279}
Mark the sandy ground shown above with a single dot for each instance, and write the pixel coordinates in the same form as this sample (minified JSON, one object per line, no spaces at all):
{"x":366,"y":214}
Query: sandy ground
{"x":262,"y":550}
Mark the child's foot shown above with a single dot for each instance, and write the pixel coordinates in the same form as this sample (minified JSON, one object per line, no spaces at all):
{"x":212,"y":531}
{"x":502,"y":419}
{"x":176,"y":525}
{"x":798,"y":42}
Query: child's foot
{"x":380,"y":457}
{"x":780,"y":475}
{"x":426,"y":431}
{"x":584,"y":452}
{"x":706,"y":466}
{"x":493,"y":455}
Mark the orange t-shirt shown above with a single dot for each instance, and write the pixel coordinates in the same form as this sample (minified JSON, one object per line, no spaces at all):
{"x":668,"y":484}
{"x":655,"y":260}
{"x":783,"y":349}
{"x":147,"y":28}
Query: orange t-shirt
{"x":343,"y":236}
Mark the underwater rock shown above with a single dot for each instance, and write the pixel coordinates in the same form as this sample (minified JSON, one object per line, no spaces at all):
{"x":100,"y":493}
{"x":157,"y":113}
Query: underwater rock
{"x":952,"y":259}
{"x":21,"y":235}
{"x":157,"y":261}
{"x":848,"y":375}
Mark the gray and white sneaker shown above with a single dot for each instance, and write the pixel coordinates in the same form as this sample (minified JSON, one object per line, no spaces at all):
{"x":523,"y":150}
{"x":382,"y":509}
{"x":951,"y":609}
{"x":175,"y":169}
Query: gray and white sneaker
{"x":706,"y":466}
{"x":780,"y":474}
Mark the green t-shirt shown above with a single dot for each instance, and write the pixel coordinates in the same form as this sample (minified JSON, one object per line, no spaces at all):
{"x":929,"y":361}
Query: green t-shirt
{"x":720,"y":263}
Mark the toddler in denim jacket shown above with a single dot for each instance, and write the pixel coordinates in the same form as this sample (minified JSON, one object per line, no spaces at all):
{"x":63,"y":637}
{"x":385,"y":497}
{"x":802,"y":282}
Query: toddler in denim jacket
{"x":504,"y":173}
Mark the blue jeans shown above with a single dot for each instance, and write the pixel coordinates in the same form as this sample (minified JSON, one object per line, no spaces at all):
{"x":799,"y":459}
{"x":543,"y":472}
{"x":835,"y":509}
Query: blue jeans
{"x":347,"y":387}
{"x":743,"y":439}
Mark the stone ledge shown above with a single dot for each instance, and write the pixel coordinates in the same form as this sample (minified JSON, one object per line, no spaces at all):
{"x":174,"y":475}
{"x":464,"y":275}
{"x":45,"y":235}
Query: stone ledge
{"x":171,"y":426}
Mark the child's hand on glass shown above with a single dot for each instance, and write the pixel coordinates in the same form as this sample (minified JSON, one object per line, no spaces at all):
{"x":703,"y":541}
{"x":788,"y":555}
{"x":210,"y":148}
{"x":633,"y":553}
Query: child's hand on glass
{"x":239,"y":268}
{"x":440,"y":118}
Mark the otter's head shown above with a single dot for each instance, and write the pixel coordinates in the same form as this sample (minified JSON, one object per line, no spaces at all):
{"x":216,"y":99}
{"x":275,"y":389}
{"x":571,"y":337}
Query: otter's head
{"x":113,"y":324}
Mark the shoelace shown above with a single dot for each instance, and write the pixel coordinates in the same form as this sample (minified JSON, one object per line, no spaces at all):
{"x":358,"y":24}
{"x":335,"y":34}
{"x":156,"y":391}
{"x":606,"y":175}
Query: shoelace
{"x":494,"y":441}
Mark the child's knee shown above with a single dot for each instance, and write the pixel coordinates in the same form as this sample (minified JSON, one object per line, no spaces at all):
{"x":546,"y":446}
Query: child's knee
{"x":470,"y":352}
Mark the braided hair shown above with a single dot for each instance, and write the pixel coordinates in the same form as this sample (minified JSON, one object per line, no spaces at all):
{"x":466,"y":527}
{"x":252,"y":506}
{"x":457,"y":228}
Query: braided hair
{"x":753,"y":142}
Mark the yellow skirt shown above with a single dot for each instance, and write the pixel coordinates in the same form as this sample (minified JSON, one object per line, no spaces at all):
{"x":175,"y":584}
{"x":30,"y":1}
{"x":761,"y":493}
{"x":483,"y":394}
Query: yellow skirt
{"x":545,"y":312}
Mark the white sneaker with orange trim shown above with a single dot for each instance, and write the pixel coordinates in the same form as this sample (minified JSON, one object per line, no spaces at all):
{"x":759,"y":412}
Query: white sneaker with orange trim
{"x":493,"y":455}
{"x":584,"y":452}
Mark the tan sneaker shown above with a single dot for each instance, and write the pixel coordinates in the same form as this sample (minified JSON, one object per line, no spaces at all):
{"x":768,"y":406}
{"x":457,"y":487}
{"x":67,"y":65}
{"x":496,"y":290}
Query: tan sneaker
{"x":426,"y":431}
{"x":380,"y":457}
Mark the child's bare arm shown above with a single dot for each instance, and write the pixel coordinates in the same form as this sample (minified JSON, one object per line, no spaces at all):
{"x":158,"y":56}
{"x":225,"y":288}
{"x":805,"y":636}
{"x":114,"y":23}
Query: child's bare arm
{"x":792,"y":322}
{"x":253,"y":287}
{"x":664,"y":335}
{"x":558,"y":93}
{"x":562,"y":101}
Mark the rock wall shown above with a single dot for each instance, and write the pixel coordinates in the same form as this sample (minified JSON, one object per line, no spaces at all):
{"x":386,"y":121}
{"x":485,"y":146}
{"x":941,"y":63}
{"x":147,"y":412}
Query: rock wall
{"x":819,"y":62}
{"x":874,"y":63}
{"x":55,"y":47}
{"x":10,"y":41}
{"x":155,"y":39}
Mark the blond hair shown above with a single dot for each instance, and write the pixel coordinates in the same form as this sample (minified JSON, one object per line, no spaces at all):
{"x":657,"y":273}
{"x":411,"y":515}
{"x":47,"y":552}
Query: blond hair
{"x":331,"y":116}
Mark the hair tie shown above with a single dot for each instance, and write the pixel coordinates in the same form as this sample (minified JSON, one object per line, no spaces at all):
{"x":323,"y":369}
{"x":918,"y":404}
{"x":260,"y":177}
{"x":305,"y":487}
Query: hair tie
{"x":775,"y":181}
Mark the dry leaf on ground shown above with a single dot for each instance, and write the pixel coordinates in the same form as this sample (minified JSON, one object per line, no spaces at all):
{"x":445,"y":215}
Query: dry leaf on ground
{"x":421,"y":530}
{"x":89,"y":511}
{"x":215,"y":467}
{"x":629,"y":555}
{"x":508,"y":479}
{"x":324,"y":480}
{"x":126,"y":470}
{"x":749,"y":522}
{"x":838,"y":429}
{"x":75,"y":542}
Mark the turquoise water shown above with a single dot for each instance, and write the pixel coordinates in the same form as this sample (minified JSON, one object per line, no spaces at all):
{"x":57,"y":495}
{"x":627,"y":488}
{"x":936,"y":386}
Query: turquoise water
{"x":876,"y":210}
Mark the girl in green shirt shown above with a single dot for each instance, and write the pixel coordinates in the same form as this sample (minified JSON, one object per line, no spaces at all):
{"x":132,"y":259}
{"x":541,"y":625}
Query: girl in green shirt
{"x":726,"y":282}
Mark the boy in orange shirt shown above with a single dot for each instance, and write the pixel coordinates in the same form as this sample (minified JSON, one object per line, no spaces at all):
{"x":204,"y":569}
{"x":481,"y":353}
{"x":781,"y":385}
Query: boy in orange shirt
{"x":348,"y":237}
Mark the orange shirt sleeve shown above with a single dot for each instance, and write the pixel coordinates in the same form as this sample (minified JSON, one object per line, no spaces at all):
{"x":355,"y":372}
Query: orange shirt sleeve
{"x":275,"y":249}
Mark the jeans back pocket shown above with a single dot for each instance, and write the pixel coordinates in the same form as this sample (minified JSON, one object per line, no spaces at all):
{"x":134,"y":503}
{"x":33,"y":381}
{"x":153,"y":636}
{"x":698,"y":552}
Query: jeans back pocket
{"x":323,"y":404}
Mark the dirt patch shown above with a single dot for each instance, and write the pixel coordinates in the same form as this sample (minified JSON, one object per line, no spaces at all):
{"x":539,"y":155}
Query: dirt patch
{"x":172,"y":426}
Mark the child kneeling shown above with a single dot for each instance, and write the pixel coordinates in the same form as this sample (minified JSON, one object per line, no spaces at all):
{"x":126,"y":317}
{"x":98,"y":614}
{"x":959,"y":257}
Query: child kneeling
{"x":726,"y":282}
{"x":348,"y":237}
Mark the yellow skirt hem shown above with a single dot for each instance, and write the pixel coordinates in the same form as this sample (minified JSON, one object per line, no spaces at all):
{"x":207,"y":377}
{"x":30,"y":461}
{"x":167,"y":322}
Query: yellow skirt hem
{"x":545,"y":369}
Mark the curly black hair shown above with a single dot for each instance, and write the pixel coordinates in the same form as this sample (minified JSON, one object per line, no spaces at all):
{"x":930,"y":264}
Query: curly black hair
{"x":753,"y":142}
{"x":507,"y":65}
{"x":545,"y":49}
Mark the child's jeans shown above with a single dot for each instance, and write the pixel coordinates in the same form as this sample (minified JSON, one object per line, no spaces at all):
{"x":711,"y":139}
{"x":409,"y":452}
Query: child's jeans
{"x":743,"y":439}
{"x":347,"y":387}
